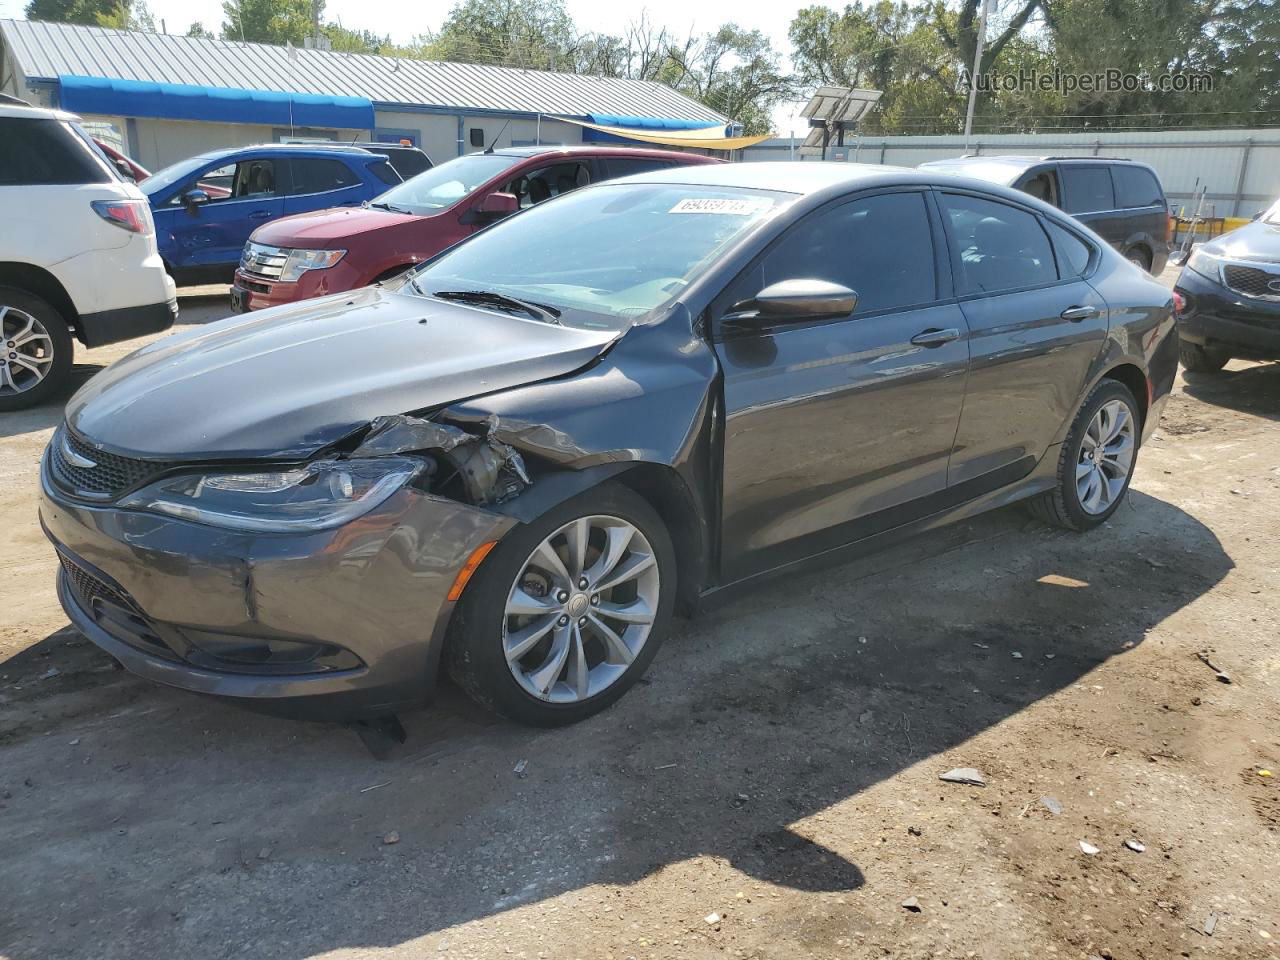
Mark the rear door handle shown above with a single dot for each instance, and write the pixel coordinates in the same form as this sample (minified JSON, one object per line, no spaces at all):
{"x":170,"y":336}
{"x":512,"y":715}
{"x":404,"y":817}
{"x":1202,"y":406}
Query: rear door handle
{"x":1076,"y":314}
{"x":935,"y":337}
{"x":259,"y":214}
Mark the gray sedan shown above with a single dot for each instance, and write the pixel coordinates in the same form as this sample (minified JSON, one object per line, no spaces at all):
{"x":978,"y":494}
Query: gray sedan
{"x":519,"y":460}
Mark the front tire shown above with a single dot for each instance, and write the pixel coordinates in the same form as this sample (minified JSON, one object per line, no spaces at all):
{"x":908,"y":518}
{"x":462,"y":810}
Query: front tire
{"x":1198,"y":359}
{"x":567,"y":612}
{"x":35,"y":350}
{"x":1096,"y":463}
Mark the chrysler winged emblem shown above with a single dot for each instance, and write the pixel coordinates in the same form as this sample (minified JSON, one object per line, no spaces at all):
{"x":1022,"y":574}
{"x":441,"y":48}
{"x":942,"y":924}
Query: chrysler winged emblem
{"x":73,"y":458}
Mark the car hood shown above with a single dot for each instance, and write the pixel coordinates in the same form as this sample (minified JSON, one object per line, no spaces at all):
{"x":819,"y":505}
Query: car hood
{"x":328,"y":228}
{"x":1253,"y":241}
{"x":286,"y":382}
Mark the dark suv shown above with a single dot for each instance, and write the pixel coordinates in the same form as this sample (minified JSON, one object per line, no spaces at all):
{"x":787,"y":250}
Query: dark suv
{"x":1120,"y":200}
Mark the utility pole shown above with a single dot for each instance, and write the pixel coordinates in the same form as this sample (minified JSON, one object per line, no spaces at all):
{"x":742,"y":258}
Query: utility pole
{"x":973,"y":74}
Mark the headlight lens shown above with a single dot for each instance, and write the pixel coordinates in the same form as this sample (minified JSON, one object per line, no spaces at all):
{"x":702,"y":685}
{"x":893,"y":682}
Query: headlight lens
{"x":1205,"y":264}
{"x":316,"y":496}
{"x":300,"y":261}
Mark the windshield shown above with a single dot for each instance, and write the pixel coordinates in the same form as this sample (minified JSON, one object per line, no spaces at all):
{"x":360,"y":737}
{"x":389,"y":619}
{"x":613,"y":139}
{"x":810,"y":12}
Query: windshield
{"x":605,"y":255}
{"x":445,"y":185}
{"x":172,"y":175}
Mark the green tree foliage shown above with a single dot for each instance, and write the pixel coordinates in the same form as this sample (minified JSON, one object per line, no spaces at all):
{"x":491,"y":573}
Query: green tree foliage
{"x":270,"y":21}
{"x":70,"y":11}
{"x":536,"y":34}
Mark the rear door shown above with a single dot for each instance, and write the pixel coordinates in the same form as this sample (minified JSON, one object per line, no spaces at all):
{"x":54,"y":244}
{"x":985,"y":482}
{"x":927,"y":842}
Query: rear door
{"x":1089,"y":195}
{"x":839,"y":428}
{"x":1035,"y":327}
{"x":317,"y":183}
{"x":1140,"y":196}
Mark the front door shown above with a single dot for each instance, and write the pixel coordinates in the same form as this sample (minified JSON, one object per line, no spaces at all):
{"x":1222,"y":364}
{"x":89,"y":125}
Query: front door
{"x":837,"y":429}
{"x":240,"y":197}
{"x":1035,"y":327}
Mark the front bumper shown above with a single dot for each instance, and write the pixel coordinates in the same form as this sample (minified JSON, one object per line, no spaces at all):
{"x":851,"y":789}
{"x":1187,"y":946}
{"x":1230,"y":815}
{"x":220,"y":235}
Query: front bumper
{"x":255,"y":293}
{"x":181,"y":603}
{"x":1221,"y":319}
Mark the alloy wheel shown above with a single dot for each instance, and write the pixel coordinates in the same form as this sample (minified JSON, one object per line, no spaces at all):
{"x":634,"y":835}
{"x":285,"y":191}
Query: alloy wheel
{"x":581,"y":609}
{"x":26,"y":351}
{"x":1106,"y":457}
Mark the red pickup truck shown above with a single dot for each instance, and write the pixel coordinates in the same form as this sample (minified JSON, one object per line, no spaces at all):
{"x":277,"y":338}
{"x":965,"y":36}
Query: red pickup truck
{"x":328,"y":251}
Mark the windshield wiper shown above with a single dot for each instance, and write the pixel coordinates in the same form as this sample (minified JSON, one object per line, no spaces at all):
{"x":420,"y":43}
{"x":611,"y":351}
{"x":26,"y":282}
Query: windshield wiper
{"x":538,"y":311}
{"x":391,"y":207}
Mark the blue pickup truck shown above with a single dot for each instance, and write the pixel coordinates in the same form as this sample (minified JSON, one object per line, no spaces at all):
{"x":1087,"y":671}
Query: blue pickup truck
{"x":206,"y":207}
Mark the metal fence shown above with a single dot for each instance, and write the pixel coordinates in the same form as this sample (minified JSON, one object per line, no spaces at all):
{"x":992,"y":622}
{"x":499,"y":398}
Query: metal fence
{"x":1240,"y":168}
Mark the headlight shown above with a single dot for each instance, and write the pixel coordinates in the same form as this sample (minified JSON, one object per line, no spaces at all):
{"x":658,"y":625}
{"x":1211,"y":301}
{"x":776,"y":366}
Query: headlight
{"x":316,"y":496}
{"x":300,"y":261}
{"x":1205,"y":264}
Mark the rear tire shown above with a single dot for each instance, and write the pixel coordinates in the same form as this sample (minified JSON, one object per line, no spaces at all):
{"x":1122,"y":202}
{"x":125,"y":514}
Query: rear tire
{"x":1198,"y":359}
{"x":1140,"y":259}
{"x":35,"y":350}
{"x":569,"y":657}
{"x":1096,"y":463}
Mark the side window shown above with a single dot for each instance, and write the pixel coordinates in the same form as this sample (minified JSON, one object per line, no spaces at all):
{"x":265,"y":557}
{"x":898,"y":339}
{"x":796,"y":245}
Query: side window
{"x":880,"y":247}
{"x":385,"y":172}
{"x":1136,"y":187}
{"x":1073,"y":253}
{"x":255,"y":179}
{"x":218,"y":183}
{"x":317,"y":175}
{"x":625,"y":166}
{"x":998,"y":247}
{"x":1043,"y":186}
{"x":547,"y":182}
{"x":1087,"y":189}
{"x":34,"y":152}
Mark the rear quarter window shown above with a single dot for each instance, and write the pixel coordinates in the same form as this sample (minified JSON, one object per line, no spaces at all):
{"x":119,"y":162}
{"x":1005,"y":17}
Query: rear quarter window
{"x":45,"y":152}
{"x":1136,"y":187}
{"x":385,"y":172}
{"x":1087,"y":189}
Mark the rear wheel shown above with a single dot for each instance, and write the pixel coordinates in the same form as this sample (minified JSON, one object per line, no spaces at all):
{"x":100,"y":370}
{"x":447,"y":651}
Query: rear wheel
{"x":567,"y":612}
{"x":1096,"y":462}
{"x":35,"y":350}
{"x":1140,"y":259}
{"x":1200,"y":359}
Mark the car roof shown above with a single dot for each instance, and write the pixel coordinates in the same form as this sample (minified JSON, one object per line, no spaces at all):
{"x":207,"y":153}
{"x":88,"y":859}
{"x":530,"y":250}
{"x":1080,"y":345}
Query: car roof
{"x":590,"y":150}
{"x":327,"y":149}
{"x":784,"y":175}
{"x":34,"y":113}
{"x":1023,"y":160}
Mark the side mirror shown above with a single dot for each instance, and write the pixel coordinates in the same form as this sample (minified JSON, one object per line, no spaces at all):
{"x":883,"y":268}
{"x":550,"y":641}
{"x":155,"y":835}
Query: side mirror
{"x":497,"y":205}
{"x":123,"y":168}
{"x":194,"y":198}
{"x":792,"y":300}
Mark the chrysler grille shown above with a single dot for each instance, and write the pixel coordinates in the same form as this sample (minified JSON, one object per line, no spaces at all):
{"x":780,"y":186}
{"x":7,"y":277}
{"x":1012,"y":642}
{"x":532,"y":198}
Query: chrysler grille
{"x":83,"y":471}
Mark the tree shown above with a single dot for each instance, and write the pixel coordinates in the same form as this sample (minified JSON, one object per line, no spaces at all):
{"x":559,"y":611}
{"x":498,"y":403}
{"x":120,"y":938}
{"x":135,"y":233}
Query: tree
{"x":128,"y":15}
{"x":70,"y":11}
{"x":536,"y":34}
{"x":271,"y":21}
{"x":198,"y":30}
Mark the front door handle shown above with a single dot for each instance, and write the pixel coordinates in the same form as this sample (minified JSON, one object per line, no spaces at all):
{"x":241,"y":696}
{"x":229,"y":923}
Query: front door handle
{"x":1076,"y":314}
{"x":260,"y":215}
{"x":935,"y":337}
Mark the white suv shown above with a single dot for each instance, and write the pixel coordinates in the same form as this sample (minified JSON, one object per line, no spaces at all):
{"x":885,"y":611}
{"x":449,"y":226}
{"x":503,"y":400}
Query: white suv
{"x":77,"y":255}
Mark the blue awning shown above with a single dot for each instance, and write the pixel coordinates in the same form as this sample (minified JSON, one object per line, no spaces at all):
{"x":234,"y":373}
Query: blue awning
{"x":648,"y":123}
{"x":180,"y":101}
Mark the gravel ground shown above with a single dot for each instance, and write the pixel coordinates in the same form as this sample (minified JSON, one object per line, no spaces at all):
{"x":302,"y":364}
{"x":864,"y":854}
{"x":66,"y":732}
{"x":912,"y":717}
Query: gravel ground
{"x":770,"y":790}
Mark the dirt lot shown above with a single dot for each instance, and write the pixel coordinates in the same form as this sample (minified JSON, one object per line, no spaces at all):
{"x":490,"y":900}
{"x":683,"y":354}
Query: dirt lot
{"x":771,"y":790}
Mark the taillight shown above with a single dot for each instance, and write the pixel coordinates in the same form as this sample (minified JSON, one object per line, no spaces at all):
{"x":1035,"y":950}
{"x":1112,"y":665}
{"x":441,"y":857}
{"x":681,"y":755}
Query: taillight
{"x":1179,"y":302}
{"x":131,"y":215}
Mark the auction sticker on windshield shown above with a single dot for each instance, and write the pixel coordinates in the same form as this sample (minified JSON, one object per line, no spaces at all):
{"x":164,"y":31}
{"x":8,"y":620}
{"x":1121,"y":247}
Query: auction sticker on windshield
{"x":724,"y":205}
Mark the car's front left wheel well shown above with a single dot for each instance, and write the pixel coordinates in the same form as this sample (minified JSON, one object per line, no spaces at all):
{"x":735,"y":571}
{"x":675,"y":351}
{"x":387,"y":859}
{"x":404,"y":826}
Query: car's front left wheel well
{"x":670,"y":497}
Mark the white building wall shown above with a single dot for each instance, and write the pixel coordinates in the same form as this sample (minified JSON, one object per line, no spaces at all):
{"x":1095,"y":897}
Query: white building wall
{"x":1186,"y":160}
{"x":162,"y":142}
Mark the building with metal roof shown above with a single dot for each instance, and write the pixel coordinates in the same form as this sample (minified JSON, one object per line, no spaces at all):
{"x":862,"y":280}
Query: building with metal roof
{"x":168,"y":97}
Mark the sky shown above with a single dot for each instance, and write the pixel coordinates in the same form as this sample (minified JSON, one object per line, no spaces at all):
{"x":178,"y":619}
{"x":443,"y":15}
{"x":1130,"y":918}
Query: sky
{"x":404,"y":19}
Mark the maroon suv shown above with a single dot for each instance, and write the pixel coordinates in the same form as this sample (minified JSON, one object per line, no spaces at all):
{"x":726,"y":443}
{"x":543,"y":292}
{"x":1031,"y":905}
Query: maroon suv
{"x":328,"y":251}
